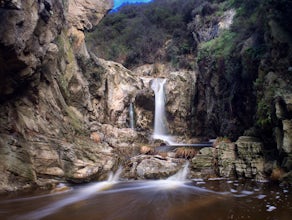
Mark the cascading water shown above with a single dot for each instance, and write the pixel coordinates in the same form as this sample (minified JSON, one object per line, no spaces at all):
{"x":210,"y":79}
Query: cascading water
{"x":160,"y":122}
{"x":174,"y":181}
{"x":132,"y":116}
{"x":81,"y":194}
{"x":173,"y":198}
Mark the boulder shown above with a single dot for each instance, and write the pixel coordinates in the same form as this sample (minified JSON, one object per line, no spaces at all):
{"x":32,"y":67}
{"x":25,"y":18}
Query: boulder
{"x":154,"y":167}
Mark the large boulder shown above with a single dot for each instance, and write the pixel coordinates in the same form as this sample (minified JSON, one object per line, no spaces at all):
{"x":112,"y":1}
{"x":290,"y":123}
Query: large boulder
{"x":154,"y":167}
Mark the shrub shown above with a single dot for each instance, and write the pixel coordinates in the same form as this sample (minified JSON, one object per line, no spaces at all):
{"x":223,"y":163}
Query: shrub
{"x":217,"y":47}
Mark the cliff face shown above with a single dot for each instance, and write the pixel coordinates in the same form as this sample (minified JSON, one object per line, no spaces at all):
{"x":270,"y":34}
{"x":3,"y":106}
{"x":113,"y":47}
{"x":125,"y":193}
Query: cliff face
{"x":245,"y":75}
{"x":45,"y":102}
{"x":64,"y":113}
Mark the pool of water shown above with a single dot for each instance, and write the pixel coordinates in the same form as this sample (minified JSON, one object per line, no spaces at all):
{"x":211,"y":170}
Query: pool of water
{"x":160,"y":199}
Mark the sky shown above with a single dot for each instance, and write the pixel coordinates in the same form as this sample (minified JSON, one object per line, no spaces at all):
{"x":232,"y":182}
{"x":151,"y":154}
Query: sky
{"x":118,"y":3}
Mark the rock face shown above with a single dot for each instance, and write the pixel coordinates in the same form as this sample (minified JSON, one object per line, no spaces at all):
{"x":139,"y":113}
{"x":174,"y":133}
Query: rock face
{"x":83,"y":15}
{"x":179,"y":90}
{"x":283,"y":131}
{"x":45,"y":103}
{"x":244,"y":158}
{"x":203,"y":163}
{"x":223,"y":105}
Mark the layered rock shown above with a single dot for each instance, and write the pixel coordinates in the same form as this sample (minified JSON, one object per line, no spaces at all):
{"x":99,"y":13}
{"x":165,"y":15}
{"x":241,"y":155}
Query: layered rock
{"x":46,"y":105}
{"x":203,"y":163}
{"x":244,"y":158}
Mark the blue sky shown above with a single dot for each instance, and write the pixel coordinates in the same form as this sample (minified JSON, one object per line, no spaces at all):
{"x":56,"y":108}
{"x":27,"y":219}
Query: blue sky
{"x":118,"y":3}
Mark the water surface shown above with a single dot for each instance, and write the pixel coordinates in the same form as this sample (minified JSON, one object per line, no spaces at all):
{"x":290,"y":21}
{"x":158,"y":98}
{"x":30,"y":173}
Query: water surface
{"x":160,"y":199}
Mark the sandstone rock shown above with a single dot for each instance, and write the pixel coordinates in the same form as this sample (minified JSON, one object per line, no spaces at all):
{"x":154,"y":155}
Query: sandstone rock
{"x":283,"y":131}
{"x":244,"y":158}
{"x":60,"y":188}
{"x":226,"y":20}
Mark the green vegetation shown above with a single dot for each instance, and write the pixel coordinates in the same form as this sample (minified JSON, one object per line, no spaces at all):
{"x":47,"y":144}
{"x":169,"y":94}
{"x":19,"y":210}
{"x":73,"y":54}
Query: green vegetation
{"x":137,"y":35}
{"x":219,"y":47}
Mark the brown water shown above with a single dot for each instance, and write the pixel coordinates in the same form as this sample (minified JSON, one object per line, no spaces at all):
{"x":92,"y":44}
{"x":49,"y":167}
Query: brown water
{"x":155,"y":200}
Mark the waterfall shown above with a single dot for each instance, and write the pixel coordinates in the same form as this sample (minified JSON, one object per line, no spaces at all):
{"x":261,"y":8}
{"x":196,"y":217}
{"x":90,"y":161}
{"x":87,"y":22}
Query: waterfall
{"x":160,"y":122}
{"x":131,"y":115}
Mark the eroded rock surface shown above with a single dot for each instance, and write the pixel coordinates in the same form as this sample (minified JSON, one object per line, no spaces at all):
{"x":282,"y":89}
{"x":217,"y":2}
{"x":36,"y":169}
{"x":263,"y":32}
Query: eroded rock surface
{"x":45,"y":101}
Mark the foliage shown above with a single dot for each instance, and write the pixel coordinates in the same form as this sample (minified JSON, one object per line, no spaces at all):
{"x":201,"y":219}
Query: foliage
{"x":138,"y":34}
{"x":218,"y":47}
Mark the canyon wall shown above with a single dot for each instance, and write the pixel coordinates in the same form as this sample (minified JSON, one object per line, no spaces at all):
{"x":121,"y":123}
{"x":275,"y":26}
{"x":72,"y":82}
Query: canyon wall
{"x":46,"y":107}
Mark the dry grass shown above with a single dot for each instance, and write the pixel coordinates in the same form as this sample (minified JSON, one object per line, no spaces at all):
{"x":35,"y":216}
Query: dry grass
{"x":185,"y":152}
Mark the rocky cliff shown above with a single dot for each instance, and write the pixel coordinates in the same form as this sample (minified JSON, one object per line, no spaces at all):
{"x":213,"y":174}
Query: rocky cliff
{"x":245,"y":75}
{"x":46,"y":106}
{"x":64,"y":112}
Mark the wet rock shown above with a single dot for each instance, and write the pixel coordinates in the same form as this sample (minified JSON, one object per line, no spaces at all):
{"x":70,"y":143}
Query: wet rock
{"x":154,"y":167}
{"x":179,"y":90}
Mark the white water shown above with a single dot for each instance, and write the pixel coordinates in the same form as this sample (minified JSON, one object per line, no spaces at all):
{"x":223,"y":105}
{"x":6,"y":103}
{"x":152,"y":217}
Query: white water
{"x":160,"y":122}
{"x":81,"y":194}
{"x":131,"y":115}
{"x":177,"y":180}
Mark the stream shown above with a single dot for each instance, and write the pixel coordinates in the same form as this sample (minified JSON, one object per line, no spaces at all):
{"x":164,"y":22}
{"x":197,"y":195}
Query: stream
{"x":174,"y":198}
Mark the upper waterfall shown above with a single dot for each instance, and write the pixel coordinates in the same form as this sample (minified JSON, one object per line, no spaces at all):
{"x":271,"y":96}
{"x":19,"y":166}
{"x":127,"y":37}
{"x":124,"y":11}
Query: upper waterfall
{"x":160,"y":121}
